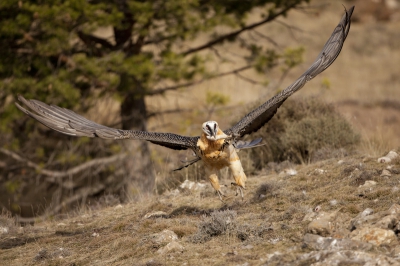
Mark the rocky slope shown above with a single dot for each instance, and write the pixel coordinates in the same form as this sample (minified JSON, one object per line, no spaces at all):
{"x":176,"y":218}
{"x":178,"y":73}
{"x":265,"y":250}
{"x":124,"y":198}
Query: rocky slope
{"x":334,"y":212}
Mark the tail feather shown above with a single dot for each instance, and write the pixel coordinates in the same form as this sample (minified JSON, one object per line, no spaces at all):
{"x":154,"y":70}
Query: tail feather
{"x":248,"y":144}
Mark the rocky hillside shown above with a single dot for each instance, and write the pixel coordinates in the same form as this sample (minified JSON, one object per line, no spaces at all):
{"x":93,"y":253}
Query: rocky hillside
{"x":334,"y":212}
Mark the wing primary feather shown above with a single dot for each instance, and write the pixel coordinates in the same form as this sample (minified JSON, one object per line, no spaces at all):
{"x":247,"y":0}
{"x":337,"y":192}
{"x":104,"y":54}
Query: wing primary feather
{"x":70,"y":123}
{"x":254,"y":120}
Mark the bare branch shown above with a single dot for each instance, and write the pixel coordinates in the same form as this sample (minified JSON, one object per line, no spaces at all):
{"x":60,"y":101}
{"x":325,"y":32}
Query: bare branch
{"x":72,"y":171}
{"x":252,"y":81}
{"x":269,"y":39}
{"x":184,"y":85}
{"x":237,"y":32}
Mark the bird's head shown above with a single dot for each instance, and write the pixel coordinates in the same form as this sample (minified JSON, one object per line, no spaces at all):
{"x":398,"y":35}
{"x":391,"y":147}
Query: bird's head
{"x":210,"y":128}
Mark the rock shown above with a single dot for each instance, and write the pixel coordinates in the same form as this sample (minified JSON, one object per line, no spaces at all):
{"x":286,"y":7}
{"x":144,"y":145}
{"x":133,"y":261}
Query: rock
{"x":164,"y":236}
{"x":320,"y":171}
{"x":389,"y":219}
{"x":394,"y":209}
{"x":390,"y":222}
{"x":368,"y":186}
{"x":171,"y":247}
{"x":155,"y":214}
{"x":309,"y":217}
{"x":333,"y":202}
{"x":386,"y":173}
{"x":374,"y":235}
{"x":323,"y":224}
{"x":119,"y":206}
{"x":174,"y":192}
{"x":248,"y":247}
{"x":362,"y":218}
{"x":317,"y":208}
{"x":192,"y":185}
{"x":3,"y":230}
{"x":328,"y":243}
{"x":288,"y":172}
{"x":328,"y":257}
{"x":388,"y":157}
{"x":345,"y":257}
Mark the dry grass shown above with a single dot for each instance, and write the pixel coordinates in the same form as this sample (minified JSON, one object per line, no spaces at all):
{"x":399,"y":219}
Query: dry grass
{"x":211,"y":233}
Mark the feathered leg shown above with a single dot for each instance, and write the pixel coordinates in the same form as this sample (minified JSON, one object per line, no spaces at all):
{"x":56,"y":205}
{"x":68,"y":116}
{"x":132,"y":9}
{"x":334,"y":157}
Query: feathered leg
{"x":237,"y":171}
{"x":215,"y":183}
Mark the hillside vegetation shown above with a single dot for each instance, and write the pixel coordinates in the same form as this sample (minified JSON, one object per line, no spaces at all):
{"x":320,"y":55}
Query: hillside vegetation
{"x":287,"y":218}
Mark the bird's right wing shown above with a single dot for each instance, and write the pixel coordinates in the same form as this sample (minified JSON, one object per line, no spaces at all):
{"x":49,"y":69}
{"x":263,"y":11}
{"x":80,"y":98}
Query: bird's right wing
{"x":68,"y":122}
{"x":254,"y":120}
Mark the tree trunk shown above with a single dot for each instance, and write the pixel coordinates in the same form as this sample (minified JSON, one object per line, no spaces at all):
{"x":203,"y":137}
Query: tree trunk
{"x":141,"y":171}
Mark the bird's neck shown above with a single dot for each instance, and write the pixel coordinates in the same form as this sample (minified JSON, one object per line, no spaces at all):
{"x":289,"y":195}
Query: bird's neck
{"x":207,"y":144}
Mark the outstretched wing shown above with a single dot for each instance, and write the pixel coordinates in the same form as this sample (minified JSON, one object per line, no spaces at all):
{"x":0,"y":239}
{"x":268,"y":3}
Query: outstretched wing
{"x":254,"y":120}
{"x":70,"y":123}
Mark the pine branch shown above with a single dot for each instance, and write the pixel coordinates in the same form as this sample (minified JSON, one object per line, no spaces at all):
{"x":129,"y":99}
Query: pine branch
{"x":237,"y":32}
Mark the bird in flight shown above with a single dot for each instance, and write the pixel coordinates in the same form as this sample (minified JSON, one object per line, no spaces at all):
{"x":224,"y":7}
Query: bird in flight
{"x":215,"y":147}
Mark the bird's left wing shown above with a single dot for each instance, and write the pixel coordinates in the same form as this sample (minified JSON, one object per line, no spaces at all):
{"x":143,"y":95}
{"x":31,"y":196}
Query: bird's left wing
{"x":254,"y":120}
{"x":68,"y":122}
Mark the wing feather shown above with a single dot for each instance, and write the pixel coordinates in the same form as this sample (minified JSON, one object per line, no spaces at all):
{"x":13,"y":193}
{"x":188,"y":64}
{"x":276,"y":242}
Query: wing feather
{"x":72,"y":124}
{"x":254,"y":120}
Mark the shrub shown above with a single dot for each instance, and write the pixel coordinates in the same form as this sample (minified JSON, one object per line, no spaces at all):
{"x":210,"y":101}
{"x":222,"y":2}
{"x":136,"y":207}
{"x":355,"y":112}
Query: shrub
{"x":300,"y":130}
{"x":218,"y":223}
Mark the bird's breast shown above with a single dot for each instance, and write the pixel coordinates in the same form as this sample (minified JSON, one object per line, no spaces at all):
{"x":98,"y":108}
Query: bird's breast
{"x":214,"y":153}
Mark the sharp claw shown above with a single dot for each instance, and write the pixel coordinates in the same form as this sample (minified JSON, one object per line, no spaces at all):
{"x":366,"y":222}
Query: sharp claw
{"x":220,"y":195}
{"x":238,"y":189}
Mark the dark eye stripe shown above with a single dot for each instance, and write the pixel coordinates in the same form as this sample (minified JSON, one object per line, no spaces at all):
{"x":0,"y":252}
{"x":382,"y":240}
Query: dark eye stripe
{"x":209,"y":128}
{"x":215,"y":127}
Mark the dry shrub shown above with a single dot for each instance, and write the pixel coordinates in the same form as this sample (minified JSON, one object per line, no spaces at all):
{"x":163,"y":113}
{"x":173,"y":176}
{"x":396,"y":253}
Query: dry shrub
{"x":303,"y":131}
{"x":266,"y":190}
{"x":218,"y":223}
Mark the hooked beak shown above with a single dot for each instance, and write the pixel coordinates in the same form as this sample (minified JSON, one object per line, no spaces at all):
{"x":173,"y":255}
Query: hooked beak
{"x":212,"y":131}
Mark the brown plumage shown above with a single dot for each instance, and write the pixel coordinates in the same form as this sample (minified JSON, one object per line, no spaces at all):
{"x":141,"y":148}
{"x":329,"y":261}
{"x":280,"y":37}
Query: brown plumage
{"x":216,"y":148}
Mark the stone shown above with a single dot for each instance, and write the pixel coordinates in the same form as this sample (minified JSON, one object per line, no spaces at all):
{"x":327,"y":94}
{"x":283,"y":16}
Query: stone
{"x":386,"y":173}
{"x":367,"y":187}
{"x":119,"y":206}
{"x":171,"y":247}
{"x":389,"y":219}
{"x":309,"y":217}
{"x":192,"y":185}
{"x":3,"y":230}
{"x":390,"y":222}
{"x":395,"y":208}
{"x":288,"y":172}
{"x":388,"y":157}
{"x":165,"y":236}
{"x":156,"y":214}
{"x":322,"y":224}
{"x":320,"y":171}
{"x":364,"y":217}
{"x":374,"y":235}
{"x":329,"y":257}
{"x":329,"y":243}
